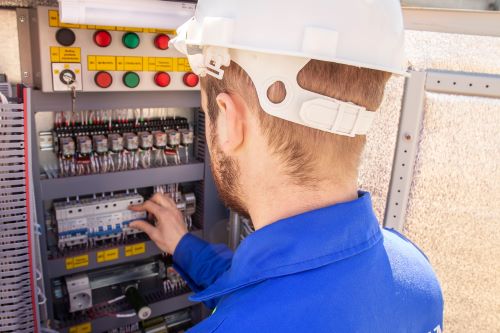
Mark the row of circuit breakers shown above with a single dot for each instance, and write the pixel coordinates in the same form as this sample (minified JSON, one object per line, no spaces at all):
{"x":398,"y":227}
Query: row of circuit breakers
{"x":108,"y":58}
{"x":99,"y":274}
{"x":90,"y":221}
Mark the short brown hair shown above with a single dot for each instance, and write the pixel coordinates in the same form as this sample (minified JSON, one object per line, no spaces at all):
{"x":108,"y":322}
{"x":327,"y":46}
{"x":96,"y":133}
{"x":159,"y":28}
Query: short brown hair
{"x":301,"y":149}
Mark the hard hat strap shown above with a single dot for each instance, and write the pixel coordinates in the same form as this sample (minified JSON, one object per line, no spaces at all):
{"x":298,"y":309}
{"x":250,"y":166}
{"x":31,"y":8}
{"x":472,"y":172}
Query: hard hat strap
{"x":301,"y":106}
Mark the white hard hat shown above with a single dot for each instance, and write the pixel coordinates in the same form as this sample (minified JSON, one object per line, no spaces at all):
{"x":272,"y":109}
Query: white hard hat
{"x":273,"y":40}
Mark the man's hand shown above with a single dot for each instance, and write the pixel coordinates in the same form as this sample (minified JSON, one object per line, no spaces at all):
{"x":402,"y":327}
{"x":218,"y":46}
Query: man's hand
{"x":170,"y":226}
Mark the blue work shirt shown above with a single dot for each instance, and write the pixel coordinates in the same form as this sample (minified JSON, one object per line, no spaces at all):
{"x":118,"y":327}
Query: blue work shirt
{"x":328,"y":270}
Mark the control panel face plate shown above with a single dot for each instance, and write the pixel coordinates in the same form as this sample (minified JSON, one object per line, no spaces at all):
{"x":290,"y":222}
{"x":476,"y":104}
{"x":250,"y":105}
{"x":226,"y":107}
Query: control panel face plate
{"x":133,"y":59}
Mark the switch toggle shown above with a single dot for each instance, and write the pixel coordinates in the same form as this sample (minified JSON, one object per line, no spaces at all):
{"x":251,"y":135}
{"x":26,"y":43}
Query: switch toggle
{"x":67,"y":77}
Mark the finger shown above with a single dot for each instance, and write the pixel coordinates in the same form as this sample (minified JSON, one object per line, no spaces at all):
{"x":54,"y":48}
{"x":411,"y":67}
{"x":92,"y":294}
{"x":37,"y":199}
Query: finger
{"x":136,"y":208}
{"x":149,"y":206}
{"x":144,"y":227}
{"x":163,"y":200}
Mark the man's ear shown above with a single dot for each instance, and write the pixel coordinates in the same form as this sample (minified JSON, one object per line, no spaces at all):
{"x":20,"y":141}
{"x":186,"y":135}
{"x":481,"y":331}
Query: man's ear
{"x":230,"y":123}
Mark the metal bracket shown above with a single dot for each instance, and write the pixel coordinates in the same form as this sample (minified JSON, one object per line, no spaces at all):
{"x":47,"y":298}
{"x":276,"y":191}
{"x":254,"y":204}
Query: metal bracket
{"x":444,"y":82}
{"x":469,"y":84}
{"x":406,"y":151}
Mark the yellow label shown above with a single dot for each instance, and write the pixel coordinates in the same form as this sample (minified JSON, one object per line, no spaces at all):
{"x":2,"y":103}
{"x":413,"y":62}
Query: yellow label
{"x":105,"y":63}
{"x":69,"y":54}
{"x":165,"y":64}
{"x":53,"y":18}
{"x":111,"y":63}
{"x":132,"y":29}
{"x":168,"y":32}
{"x":120,"y":64}
{"x":108,"y":255}
{"x":183,"y":65}
{"x":67,"y":25}
{"x":82,"y":328}
{"x":54,"y":54}
{"x":91,"y":27}
{"x":136,"y":249}
{"x":132,"y":63}
{"x":91,"y":64}
{"x":152,"y":64}
{"x":76,"y":262}
{"x":104,"y":27}
{"x":145,"y":64}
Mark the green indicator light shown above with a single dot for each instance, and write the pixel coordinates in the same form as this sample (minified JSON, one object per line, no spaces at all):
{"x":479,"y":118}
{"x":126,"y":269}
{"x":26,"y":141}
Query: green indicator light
{"x":131,"y":40}
{"x":131,"y":79}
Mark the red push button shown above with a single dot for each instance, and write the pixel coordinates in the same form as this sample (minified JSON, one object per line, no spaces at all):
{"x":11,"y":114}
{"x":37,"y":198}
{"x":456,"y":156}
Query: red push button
{"x":103,"y":79}
{"x":161,"y":41}
{"x":162,"y":79}
{"x":102,"y":38}
{"x":191,"y":80}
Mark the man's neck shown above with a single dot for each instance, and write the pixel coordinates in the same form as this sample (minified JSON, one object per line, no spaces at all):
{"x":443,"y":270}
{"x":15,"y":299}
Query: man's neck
{"x":274,"y":202}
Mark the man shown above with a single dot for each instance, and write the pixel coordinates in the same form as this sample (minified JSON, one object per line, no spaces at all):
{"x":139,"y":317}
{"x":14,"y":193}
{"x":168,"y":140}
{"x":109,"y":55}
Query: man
{"x":289,"y":89}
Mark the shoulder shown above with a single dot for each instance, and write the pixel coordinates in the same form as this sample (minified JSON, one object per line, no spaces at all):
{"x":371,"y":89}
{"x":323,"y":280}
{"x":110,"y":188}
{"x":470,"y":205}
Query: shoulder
{"x":412,"y":274}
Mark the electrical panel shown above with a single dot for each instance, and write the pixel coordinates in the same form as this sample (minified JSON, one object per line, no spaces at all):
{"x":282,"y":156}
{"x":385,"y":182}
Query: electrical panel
{"x":113,"y":118}
{"x":107,"y":58}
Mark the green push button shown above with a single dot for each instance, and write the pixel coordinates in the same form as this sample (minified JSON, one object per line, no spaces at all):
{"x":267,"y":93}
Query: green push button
{"x":131,"y":79}
{"x":131,"y":40}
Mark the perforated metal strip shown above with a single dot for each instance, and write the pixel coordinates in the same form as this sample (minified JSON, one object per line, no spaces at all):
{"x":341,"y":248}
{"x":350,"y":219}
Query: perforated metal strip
{"x":16,"y":278}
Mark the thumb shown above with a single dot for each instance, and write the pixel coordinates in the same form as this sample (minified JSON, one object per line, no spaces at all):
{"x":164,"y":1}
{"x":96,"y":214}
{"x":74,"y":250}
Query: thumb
{"x":144,"y":227}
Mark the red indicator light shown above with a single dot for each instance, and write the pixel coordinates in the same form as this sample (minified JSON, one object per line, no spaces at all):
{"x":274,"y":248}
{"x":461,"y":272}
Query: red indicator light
{"x":102,"y":38}
{"x":161,"y":41}
{"x":191,"y":80}
{"x":103,"y":79}
{"x":162,"y":79}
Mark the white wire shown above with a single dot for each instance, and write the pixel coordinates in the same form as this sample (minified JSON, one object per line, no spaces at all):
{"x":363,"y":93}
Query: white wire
{"x":119,"y":298}
{"x":126,"y":315}
{"x":3,"y":99}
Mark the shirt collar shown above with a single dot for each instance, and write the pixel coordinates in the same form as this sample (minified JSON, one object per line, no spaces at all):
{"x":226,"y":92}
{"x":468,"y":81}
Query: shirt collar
{"x":299,"y":243}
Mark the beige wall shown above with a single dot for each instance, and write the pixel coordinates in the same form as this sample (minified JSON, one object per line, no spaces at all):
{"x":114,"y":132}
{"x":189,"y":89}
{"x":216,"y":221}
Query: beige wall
{"x":9,"y":48}
{"x":454,"y":205}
